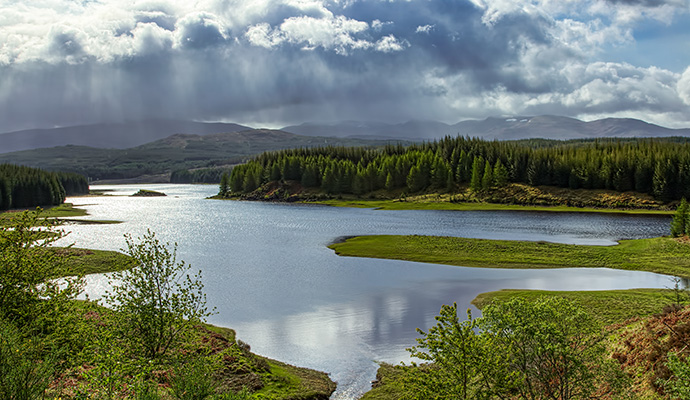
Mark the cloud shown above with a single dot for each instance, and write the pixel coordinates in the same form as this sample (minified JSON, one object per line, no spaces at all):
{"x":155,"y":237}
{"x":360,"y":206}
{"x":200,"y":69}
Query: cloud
{"x":684,"y":86}
{"x":199,"y":30}
{"x":283,"y":61}
{"x":424,"y":28}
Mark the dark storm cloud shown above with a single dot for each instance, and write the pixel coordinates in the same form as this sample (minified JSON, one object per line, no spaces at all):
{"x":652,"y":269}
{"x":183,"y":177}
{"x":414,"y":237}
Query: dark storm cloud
{"x":292,"y":61}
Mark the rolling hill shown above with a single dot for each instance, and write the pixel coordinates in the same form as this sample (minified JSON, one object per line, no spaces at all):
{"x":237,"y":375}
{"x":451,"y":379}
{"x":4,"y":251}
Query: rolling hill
{"x":180,"y":151}
{"x":109,"y":135}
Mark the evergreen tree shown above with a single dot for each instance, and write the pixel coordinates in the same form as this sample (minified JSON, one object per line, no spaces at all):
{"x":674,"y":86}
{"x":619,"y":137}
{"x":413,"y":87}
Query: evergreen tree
{"x":488,"y":178}
{"x":390,"y":183}
{"x":415,"y":180}
{"x":681,"y":220}
{"x":500,"y":174}
{"x":477,"y":174}
{"x":224,"y":189}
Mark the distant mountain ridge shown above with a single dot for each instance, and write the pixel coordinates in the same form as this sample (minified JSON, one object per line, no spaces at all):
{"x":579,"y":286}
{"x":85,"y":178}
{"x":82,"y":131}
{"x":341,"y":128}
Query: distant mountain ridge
{"x":109,"y":135}
{"x":509,"y":128}
{"x":132,"y":134}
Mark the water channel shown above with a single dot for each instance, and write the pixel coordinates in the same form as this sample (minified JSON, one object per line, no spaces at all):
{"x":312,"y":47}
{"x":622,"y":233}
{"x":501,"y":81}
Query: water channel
{"x":267,"y":270}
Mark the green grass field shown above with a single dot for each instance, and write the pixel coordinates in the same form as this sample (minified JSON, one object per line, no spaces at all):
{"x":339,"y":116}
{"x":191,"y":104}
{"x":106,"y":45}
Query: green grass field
{"x":661,"y":255}
{"x":472,"y":206}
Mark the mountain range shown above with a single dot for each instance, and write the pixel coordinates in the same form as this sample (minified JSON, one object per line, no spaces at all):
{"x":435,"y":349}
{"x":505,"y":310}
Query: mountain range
{"x":109,"y":135}
{"x":544,"y":126}
{"x":131,"y":134}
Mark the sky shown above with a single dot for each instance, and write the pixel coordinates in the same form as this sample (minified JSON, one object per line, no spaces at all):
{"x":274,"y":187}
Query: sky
{"x":275,"y":63}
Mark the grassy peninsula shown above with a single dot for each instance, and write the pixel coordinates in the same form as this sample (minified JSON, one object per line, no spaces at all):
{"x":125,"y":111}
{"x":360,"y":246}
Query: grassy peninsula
{"x":661,"y":255}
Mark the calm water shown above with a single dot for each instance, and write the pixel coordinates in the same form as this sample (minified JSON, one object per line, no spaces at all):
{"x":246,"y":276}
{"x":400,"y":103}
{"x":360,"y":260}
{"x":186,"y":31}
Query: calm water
{"x":268,"y":271}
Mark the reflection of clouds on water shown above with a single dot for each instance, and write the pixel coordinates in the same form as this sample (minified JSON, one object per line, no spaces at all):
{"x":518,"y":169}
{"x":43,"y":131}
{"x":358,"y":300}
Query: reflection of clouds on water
{"x":267,"y":269}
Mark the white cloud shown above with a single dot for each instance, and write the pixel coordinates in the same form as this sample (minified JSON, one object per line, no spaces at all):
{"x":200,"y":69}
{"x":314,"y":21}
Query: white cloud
{"x":389,"y":44}
{"x":424,"y":28}
{"x":332,"y":33}
{"x":378,"y":25}
{"x":683,"y":86}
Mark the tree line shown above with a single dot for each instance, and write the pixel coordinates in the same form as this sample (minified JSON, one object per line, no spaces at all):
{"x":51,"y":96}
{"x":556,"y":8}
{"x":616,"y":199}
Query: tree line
{"x":660,"y":167}
{"x":24,"y":187}
{"x":202,"y":175}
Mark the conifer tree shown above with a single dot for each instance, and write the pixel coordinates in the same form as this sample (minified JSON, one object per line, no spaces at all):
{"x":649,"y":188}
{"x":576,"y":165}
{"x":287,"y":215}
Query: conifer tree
{"x":488,"y":178}
{"x":224,"y":185}
{"x":477,"y":174}
{"x":500,"y":174}
{"x":680,"y":223}
{"x":390,"y":183}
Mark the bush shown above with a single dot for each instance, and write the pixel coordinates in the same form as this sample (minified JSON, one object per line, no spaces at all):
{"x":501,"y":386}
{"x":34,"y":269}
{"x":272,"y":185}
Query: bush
{"x":547,"y":348}
{"x":24,"y":373}
{"x":158,"y":301}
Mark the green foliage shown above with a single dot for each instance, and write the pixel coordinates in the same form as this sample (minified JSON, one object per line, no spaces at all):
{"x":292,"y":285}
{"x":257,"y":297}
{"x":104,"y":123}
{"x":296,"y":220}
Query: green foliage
{"x":457,"y":354}
{"x":158,"y":301}
{"x":658,"y":166}
{"x":110,"y":367}
{"x":25,"y":372}
{"x":29,"y":294}
{"x":681,"y":219}
{"x":192,"y":378}
{"x":487,"y":176}
{"x":24,"y":187}
{"x":477,"y":174}
{"x":606,"y":306}
{"x":224,"y":188}
{"x":544,"y":349}
{"x":678,"y":386}
{"x":500,"y":174}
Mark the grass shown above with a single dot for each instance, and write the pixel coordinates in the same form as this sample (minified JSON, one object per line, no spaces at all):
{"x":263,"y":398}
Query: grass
{"x":63,"y":212}
{"x":661,"y":255}
{"x":84,"y":261}
{"x":472,"y":206}
{"x":607,"y":306}
{"x":287,"y":382}
{"x":388,"y":383}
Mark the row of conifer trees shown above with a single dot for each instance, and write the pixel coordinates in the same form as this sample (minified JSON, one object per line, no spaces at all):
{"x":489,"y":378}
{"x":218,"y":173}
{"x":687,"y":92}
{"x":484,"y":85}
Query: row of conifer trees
{"x":24,"y":187}
{"x":660,"y":167}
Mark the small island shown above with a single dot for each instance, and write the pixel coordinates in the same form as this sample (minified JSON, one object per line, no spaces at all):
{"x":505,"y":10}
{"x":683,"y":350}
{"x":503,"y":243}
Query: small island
{"x":148,"y":193}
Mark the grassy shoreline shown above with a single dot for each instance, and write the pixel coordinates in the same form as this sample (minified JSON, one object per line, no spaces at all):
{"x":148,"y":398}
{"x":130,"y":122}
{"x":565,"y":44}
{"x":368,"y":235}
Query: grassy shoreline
{"x":512,"y":197}
{"x":63,"y":212}
{"x":474,"y":206}
{"x":660,"y":255}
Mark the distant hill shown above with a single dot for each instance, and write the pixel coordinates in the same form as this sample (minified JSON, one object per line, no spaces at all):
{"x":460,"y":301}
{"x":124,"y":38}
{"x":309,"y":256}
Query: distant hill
{"x":109,"y":135}
{"x":562,"y":128}
{"x":410,"y":130}
{"x":181,"y":151}
{"x":545,"y":126}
